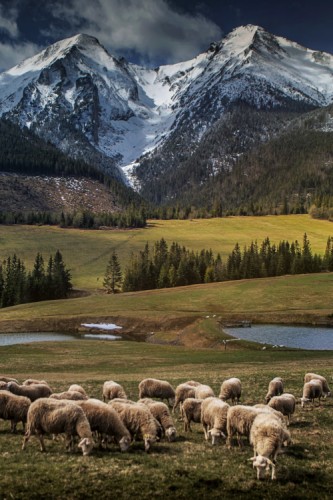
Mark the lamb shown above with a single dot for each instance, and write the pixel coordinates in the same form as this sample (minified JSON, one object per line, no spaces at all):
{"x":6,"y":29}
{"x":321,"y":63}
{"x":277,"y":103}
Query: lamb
{"x":161,"y":412}
{"x":14,"y":408}
{"x":33,"y":392}
{"x":311,"y":391}
{"x":231,"y":389}
{"x":112,"y":390}
{"x":275,"y":388}
{"x":49,"y":416}
{"x":214,"y":418}
{"x":106,"y":422}
{"x":191,"y":412}
{"x":313,"y":376}
{"x":139,"y":421}
{"x":155,"y":388}
{"x":73,"y":395}
{"x":183,"y":391}
{"x":203,"y":391}
{"x":286,"y":404}
{"x":77,"y":388}
{"x":267,"y":436}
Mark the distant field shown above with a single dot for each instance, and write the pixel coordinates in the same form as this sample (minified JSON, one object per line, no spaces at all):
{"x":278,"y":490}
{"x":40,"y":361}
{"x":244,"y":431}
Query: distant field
{"x":86,"y":252}
{"x":187,"y":468}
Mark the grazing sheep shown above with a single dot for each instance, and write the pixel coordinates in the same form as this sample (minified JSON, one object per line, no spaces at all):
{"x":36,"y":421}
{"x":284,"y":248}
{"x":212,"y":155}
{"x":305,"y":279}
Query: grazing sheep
{"x":231,"y":389}
{"x":33,"y":392}
{"x":286,"y":404}
{"x":275,"y":388}
{"x":33,"y":381}
{"x":311,"y":391}
{"x":74,"y":395}
{"x":161,"y":412}
{"x":313,"y":376}
{"x":14,"y":408}
{"x":267,"y":436}
{"x":3,"y":385}
{"x":183,"y":391}
{"x":104,"y":420}
{"x":155,"y":388}
{"x":203,"y":391}
{"x":214,"y":418}
{"x":49,"y":416}
{"x":194,"y":383}
{"x":77,"y":388}
{"x":139,"y":421}
{"x":112,"y":390}
{"x":239,"y":420}
{"x":191,"y":412}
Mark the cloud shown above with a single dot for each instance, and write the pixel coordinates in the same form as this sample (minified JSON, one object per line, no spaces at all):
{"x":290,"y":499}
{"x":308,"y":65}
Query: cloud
{"x":153,"y":29}
{"x":8,"y":21}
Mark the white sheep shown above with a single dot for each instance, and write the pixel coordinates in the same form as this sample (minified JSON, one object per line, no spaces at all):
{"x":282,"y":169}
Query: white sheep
{"x":14,"y":408}
{"x":33,"y":381}
{"x":214,"y":418}
{"x":50,"y":416}
{"x":231,"y":389}
{"x":139,"y":421}
{"x":239,"y":421}
{"x":77,"y":388}
{"x":155,"y":388}
{"x":275,"y":388}
{"x":203,"y":391}
{"x":314,"y":376}
{"x":3,"y":378}
{"x":191,"y":412}
{"x":285,"y":403}
{"x":104,"y":420}
{"x":112,"y":390}
{"x":73,"y":395}
{"x":161,"y":412}
{"x":182,"y":392}
{"x":32,"y":392}
{"x":311,"y":391}
{"x":267,"y":436}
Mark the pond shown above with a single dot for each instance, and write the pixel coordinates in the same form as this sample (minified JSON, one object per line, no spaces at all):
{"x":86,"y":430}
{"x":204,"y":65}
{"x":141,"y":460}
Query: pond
{"x":302,"y":337}
{"x":26,"y":338}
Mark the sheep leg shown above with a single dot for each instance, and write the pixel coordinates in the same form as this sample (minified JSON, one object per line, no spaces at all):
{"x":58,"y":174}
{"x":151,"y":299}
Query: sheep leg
{"x":41,"y":441}
{"x":25,"y":440}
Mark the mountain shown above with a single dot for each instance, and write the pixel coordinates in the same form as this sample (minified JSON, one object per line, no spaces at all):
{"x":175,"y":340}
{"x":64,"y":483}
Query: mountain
{"x":144,"y":126}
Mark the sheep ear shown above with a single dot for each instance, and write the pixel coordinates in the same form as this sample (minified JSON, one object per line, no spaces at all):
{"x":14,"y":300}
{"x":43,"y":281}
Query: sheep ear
{"x":252,"y":459}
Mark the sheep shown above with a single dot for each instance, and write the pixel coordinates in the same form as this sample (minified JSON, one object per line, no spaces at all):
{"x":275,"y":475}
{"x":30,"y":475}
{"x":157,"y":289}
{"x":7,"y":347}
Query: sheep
{"x":231,"y":389}
{"x":194,"y":383}
{"x":312,"y":390}
{"x":183,"y":391}
{"x":106,"y":422}
{"x":49,"y":416}
{"x":3,"y":385}
{"x":155,"y":388}
{"x":214,"y":418}
{"x":139,"y":421}
{"x":267,"y":436}
{"x":74,"y":395}
{"x":191,"y":412}
{"x":33,"y":381}
{"x":112,"y":390}
{"x":239,"y":420}
{"x":203,"y":391}
{"x":33,"y":392}
{"x":14,"y":408}
{"x":285,"y":403}
{"x":275,"y":388}
{"x":77,"y":388}
{"x":313,"y":376}
{"x":161,"y":412}
{"x":3,"y":378}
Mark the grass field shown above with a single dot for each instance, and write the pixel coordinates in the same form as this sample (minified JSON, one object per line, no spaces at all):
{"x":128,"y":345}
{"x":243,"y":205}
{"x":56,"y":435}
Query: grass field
{"x":187,"y":468}
{"x":86,"y":253}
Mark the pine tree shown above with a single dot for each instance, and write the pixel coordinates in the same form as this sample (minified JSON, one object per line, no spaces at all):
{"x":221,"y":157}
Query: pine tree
{"x":113,"y":276}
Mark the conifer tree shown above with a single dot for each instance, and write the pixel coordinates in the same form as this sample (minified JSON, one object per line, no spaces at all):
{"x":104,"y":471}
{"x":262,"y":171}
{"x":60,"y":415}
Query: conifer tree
{"x":113,"y":276}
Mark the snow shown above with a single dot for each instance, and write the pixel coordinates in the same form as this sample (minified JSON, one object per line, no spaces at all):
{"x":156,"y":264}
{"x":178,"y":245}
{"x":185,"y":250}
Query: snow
{"x":102,"y":326}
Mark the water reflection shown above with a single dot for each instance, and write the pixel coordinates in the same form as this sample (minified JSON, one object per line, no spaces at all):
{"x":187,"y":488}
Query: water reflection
{"x":302,"y":337}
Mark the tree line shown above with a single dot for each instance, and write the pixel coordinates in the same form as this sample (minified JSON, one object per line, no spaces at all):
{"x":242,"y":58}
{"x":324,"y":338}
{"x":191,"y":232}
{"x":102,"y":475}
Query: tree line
{"x":44,"y":282}
{"x":164,"y":266}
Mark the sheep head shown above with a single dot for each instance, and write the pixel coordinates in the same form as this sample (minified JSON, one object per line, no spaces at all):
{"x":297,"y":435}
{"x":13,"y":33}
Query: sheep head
{"x":124,"y":443}
{"x":216,"y":434}
{"x":149,"y":439}
{"x":304,"y":400}
{"x":171,"y":433}
{"x":86,"y":445}
{"x":263,"y":465}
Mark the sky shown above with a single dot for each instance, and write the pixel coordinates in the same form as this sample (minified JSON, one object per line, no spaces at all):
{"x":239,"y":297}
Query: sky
{"x":154,"y":32}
